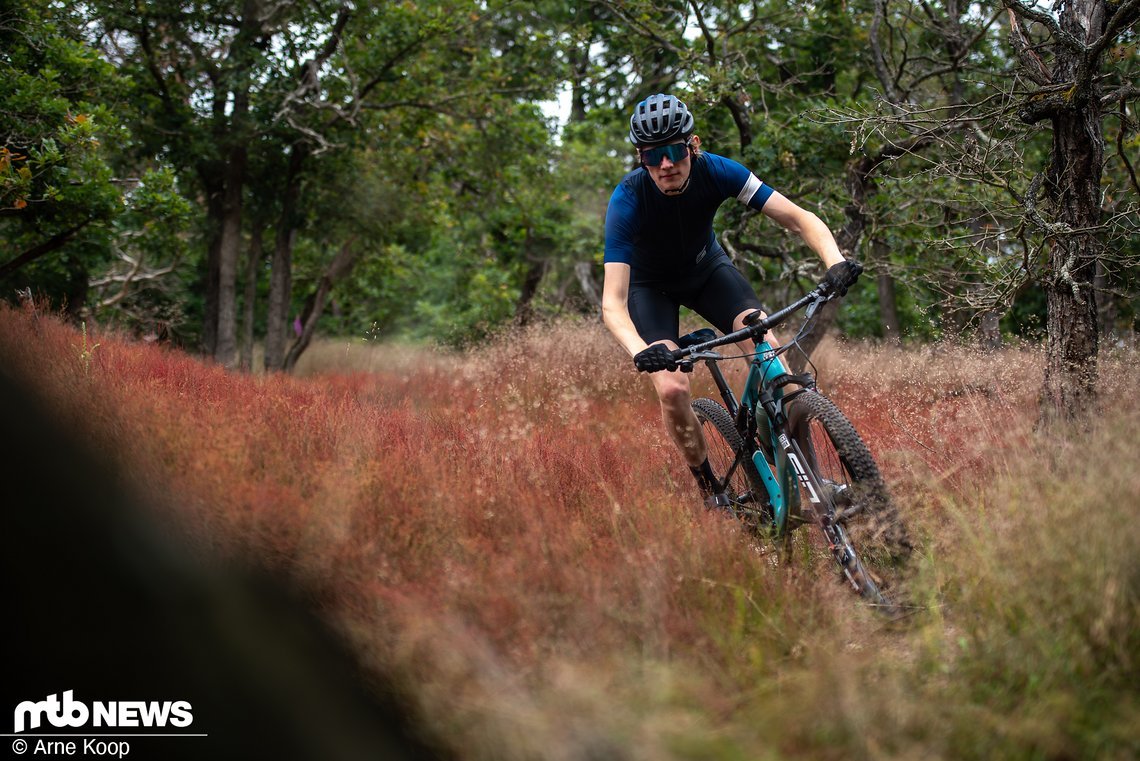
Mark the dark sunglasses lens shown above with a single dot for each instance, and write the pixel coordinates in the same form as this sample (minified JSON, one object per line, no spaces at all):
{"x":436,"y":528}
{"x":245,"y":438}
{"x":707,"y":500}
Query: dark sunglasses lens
{"x":654,"y":156}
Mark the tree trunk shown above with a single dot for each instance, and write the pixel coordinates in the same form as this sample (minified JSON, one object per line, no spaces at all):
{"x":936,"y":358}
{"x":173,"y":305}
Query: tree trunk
{"x":215,"y":192}
{"x":1073,"y":188}
{"x":1105,"y":303}
{"x":281,"y":270}
{"x":741,"y":119}
{"x":989,"y":330}
{"x":888,"y":300}
{"x":252,"y":265}
{"x":857,"y":183}
{"x":584,"y":272}
{"x":524,"y":308}
{"x":341,"y":265}
{"x":888,"y":308}
{"x":229,"y":252}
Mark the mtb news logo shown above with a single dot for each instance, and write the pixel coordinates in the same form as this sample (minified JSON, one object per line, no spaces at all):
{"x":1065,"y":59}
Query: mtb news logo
{"x":72,"y":713}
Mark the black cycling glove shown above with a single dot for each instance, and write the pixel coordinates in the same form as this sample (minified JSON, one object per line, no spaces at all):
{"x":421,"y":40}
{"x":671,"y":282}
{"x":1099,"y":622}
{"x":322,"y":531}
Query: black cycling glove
{"x":656,"y":358}
{"x":842,"y":276}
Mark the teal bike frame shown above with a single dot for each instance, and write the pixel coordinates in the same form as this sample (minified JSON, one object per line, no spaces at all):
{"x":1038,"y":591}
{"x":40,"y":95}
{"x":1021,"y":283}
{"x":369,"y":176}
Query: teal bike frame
{"x":759,"y":413}
{"x":771,"y":442}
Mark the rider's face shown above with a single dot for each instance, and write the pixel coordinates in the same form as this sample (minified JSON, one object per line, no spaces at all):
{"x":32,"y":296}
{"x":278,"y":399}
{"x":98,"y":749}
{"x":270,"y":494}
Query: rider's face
{"x":671,"y":176}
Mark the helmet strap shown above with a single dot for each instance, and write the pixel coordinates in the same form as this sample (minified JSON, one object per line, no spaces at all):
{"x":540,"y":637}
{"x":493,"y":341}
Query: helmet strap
{"x":681,"y":189}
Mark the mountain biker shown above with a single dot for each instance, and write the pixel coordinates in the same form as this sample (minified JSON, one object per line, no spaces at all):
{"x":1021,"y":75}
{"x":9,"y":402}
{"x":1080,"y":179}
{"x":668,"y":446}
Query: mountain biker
{"x":661,"y":253}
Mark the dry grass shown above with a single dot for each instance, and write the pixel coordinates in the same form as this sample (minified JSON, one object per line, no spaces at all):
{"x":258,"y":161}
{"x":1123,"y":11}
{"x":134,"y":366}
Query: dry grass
{"x":508,"y":538}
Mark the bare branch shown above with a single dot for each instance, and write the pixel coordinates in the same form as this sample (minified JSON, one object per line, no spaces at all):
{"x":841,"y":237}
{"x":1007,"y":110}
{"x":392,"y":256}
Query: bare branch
{"x":1120,"y":95}
{"x":644,"y":29}
{"x":130,"y":278}
{"x":877,"y":58}
{"x":710,"y":38}
{"x":309,"y":72}
{"x":1034,"y":67}
{"x":53,"y":243}
{"x":1120,"y":149}
{"x":1125,"y":15}
{"x":1043,"y":18}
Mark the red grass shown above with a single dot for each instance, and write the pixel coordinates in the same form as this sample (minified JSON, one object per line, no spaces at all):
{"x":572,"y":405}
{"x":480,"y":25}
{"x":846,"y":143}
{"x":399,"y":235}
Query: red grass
{"x":496,"y":513}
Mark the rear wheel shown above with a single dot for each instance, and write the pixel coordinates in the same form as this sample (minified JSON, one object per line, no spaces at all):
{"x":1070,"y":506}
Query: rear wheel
{"x":861,"y":524}
{"x":742,"y":485}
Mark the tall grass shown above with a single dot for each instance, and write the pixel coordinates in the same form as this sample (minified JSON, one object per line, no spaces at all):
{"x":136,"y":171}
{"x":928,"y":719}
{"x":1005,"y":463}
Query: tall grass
{"x":508,"y":538}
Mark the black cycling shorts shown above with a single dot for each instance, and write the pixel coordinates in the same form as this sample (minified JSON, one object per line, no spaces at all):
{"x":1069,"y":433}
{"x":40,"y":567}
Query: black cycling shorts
{"x":718,"y":296}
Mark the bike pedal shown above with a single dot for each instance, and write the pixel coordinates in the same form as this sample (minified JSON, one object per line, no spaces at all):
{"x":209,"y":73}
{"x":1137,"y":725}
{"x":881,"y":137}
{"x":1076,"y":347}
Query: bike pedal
{"x":719,"y":502}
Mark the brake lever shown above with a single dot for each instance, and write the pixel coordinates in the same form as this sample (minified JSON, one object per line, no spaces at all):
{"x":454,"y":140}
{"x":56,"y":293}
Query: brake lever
{"x":686,"y":364}
{"x":814,"y":306}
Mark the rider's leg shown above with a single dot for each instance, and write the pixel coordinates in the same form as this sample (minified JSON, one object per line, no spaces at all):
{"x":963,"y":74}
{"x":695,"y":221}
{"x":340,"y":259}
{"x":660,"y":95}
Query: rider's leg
{"x":737,"y":370}
{"x":683,"y":427}
{"x":677,"y":413}
{"x":738,"y":324}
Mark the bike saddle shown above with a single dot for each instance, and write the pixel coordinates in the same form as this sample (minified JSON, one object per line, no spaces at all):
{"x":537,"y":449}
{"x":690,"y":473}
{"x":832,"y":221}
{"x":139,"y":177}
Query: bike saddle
{"x":696,"y":337}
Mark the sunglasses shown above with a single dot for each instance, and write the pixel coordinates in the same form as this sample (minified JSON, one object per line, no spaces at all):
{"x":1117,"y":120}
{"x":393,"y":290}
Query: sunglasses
{"x":674,"y":152}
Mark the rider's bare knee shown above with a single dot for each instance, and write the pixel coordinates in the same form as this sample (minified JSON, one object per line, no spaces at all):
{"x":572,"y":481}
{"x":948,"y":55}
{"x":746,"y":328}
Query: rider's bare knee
{"x":738,"y":323}
{"x":673,"y":390}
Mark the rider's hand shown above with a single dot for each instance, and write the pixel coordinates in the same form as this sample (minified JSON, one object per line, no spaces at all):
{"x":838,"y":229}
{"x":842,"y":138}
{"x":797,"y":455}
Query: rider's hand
{"x":841,"y":276}
{"x":656,"y":358}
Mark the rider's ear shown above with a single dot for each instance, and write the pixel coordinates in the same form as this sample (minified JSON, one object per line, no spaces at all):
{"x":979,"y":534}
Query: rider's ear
{"x":695,"y":143}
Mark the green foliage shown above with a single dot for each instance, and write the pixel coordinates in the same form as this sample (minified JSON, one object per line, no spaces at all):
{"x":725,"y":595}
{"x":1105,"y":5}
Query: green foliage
{"x":425,"y":149}
{"x":55,"y":135}
{"x":64,"y":206}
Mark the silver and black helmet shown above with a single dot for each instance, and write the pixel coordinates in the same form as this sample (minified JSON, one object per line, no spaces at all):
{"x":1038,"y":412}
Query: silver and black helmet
{"x":659,"y":119}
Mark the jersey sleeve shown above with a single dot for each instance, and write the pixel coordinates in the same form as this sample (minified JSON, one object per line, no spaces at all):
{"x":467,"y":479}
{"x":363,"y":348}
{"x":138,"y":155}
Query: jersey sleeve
{"x":619,"y":227}
{"x":735,"y":180}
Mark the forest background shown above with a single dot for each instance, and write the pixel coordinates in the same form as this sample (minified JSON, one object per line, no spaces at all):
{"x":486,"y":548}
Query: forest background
{"x":225,"y":174}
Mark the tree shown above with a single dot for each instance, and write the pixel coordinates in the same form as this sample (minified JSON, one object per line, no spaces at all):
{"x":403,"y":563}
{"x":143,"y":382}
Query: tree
{"x":68,"y":202}
{"x":238,"y":88}
{"x":1074,"y":87}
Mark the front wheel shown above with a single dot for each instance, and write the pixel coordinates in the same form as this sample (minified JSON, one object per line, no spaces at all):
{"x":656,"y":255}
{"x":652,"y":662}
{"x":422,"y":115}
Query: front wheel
{"x":861,"y":524}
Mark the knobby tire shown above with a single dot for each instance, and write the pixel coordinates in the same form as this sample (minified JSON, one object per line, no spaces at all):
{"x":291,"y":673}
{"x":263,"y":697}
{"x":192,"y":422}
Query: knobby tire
{"x":873,"y":527}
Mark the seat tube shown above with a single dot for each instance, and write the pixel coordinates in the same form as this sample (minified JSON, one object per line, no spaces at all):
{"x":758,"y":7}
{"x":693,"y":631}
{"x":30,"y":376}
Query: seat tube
{"x":764,"y":368}
{"x":723,"y":387}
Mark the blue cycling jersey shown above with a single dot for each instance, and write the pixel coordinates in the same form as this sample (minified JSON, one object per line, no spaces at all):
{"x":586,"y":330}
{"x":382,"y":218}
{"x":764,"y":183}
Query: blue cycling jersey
{"x":670,"y":237}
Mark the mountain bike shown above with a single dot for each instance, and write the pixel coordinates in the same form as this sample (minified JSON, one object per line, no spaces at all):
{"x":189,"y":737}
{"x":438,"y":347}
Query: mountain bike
{"x":786,"y":456}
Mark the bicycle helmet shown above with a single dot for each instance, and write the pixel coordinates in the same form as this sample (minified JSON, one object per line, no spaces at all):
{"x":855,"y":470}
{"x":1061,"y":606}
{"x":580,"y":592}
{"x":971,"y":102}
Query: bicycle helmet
{"x":659,"y":119}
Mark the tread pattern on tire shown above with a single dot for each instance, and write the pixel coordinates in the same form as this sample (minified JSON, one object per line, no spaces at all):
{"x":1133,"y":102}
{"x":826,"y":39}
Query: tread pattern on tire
{"x":881,"y":522}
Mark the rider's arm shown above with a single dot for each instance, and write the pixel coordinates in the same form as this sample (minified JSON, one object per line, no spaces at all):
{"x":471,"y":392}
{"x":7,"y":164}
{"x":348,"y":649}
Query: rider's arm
{"x":615,"y":307}
{"x":805,"y":224}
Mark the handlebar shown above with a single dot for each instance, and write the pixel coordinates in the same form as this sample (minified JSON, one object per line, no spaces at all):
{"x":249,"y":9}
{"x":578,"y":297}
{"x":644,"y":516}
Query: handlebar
{"x":814,"y":299}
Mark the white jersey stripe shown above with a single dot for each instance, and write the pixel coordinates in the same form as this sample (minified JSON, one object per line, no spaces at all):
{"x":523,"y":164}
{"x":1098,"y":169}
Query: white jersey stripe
{"x":750,"y":187}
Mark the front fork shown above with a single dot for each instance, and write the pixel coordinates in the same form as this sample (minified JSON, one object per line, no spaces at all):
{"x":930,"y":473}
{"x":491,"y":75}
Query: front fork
{"x":822,"y":498}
